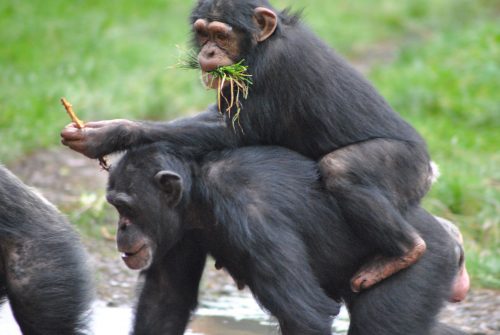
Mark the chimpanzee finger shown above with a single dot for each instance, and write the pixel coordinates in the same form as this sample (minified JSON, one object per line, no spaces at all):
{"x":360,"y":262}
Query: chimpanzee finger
{"x":97,"y":124}
{"x":78,"y":146}
{"x":71,"y":133}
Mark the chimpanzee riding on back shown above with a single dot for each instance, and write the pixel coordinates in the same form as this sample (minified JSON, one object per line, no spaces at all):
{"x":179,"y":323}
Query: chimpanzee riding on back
{"x":308,"y":99}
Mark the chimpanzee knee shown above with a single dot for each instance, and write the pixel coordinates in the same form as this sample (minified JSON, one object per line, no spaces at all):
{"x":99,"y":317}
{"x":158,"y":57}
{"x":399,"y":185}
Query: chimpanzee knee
{"x":399,"y":170}
{"x":372,"y":192}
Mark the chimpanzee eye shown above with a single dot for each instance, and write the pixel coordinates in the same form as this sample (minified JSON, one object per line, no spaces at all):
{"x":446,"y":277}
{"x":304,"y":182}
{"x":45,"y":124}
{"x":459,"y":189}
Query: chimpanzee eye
{"x":124,"y":209}
{"x":127,"y":212}
{"x":222,"y":39}
{"x":201,"y":36}
{"x":220,"y":36}
{"x":201,"y":33}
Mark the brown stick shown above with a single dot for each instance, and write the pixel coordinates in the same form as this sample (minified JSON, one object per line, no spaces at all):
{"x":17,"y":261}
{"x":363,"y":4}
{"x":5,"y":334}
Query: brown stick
{"x":80,"y":125}
{"x":69,"y":109}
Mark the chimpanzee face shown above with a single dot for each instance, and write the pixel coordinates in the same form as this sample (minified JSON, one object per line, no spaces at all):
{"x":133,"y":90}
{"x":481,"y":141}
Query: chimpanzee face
{"x":148,"y":219}
{"x":219,"y":43}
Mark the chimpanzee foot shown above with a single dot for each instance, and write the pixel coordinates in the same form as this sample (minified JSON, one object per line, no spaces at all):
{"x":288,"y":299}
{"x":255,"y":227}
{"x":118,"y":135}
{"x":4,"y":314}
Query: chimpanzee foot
{"x":370,"y":274}
{"x":383,"y":267}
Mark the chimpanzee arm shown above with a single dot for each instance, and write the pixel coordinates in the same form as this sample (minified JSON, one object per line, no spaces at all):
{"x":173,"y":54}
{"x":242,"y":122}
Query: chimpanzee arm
{"x":198,"y":134}
{"x":284,"y":283}
{"x":277,"y":272}
{"x":170,"y":292}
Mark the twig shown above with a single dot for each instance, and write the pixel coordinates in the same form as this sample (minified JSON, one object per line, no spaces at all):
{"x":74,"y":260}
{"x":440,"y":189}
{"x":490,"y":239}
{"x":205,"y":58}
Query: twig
{"x":80,"y":125}
{"x":69,"y":109}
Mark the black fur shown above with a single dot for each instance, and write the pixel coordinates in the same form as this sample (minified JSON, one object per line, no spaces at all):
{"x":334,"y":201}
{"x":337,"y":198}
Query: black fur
{"x":306,"y":98}
{"x":43,"y":271}
{"x":263,"y":214}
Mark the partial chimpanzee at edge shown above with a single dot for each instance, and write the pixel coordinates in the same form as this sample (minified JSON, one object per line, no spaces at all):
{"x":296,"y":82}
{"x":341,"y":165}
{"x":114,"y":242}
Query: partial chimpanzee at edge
{"x":306,"y":98}
{"x":43,"y":270}
{"x":263,"y":214}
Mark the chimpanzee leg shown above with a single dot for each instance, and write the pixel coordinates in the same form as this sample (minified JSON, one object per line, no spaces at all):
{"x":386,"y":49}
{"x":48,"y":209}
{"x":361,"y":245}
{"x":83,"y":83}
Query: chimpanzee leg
{"x":375,"y":182}
{"x":48,"y":285}
{"x":170,"y":291}
{"x":3,"y":284}
{"x":284,"y":283}
{"x":408,"y":302}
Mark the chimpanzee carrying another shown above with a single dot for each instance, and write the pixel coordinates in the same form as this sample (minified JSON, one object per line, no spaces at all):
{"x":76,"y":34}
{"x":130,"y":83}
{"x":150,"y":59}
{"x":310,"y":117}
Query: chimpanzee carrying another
{"x":306,"y":98}
{"x":263,"y":214}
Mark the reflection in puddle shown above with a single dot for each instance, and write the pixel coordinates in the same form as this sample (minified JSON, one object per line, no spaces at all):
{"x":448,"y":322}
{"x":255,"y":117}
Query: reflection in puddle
{"x":239,"y":314}
{"x":226,"y":315}
{"x":211,"y":325}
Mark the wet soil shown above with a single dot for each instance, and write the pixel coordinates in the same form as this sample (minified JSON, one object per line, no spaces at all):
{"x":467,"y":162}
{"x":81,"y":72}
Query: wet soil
{"x":63,"y":176}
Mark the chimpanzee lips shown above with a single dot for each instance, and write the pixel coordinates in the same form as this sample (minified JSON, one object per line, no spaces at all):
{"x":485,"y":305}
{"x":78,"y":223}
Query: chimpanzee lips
{"x":138,"y":259}
{"x":212,"y":82}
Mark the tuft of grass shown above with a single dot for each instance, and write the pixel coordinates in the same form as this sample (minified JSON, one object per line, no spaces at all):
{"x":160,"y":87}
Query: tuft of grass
{"x":239,"y":81}
{"x":236,"y":74}
{"x":188,"y":60}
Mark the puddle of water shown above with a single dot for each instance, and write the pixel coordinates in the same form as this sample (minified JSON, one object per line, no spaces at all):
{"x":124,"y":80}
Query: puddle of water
{"x":227,"y":315}
{"x":238,"y":313}
{"x":211,"y":325}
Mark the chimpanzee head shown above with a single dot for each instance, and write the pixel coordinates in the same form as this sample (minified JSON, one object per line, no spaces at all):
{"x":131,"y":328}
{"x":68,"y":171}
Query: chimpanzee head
{"x":147,"y":187}
{"x":225,"y":31}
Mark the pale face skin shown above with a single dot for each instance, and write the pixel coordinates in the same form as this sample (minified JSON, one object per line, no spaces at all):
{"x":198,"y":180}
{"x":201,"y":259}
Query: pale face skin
{"x":219,"y":43}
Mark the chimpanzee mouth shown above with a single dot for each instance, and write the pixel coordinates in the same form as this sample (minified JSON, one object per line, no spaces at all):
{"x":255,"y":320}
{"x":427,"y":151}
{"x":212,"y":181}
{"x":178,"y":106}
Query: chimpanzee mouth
{"x":139,"y":259}
{"x":131,"y":254}
{"x":212,"y":82}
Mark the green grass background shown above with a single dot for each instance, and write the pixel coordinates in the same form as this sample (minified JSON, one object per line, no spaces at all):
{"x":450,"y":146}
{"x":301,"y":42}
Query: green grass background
{"x":436,"y":61}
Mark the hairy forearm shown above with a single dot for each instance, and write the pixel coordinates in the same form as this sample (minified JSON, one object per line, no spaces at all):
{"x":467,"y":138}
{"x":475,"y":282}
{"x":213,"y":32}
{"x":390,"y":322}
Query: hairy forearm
{"x":162,"y":319}
{"x":198,"y":134}
{"x":170,"y":291}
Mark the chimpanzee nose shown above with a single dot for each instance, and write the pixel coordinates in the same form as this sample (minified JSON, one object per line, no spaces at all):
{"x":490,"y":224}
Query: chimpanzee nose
{"x":209,"y":53}
{"x":123,"y":224}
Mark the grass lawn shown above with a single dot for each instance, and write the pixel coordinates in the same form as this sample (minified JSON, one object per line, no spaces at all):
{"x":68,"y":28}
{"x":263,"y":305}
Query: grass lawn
{"x":437,"y":62}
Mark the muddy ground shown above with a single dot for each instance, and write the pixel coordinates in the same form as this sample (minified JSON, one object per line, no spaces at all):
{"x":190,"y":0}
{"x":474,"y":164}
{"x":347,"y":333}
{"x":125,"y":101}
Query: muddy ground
{"x":63,"y":176}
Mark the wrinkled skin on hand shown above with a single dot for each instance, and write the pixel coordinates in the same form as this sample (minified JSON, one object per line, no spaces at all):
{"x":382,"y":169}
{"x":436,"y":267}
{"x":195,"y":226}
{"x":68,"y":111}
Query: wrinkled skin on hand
{"x":96,"y":139}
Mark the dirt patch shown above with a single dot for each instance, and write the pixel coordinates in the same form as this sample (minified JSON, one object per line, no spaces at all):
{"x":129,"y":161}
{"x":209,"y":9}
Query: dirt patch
{"x":62,"y":176}
{"x":479,"y":314}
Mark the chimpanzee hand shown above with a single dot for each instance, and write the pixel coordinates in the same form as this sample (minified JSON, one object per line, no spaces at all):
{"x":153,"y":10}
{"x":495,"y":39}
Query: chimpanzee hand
{"x":99,"y":138}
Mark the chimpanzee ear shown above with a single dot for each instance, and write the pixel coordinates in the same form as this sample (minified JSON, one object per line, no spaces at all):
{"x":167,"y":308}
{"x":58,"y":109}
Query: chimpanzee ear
{"x":171,"y":184}
{"x":267,"y":21}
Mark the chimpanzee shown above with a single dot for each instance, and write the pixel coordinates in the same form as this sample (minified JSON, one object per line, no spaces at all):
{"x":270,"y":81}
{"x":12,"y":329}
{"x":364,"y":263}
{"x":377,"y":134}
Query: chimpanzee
{"x":263,"y":214}
{"x":43,"y":269}
{"x":306,"y":98}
